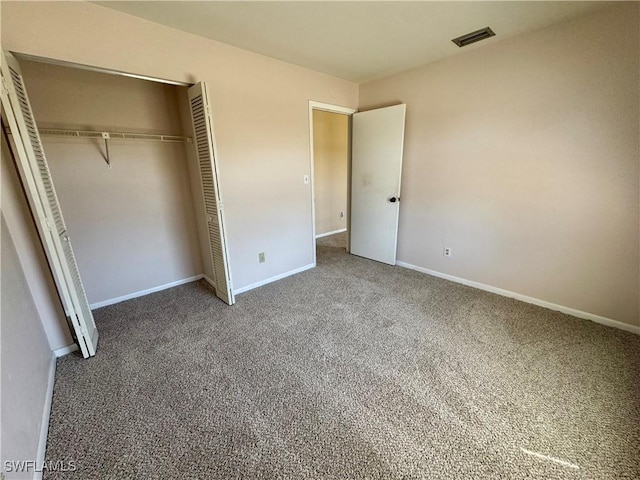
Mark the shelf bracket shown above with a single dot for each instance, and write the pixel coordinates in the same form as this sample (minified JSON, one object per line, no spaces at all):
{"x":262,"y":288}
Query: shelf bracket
{"x":106,"y":137}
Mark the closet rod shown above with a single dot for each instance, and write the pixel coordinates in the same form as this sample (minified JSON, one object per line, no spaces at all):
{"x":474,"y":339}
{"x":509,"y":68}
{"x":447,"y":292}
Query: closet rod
{"x":111,"y":135}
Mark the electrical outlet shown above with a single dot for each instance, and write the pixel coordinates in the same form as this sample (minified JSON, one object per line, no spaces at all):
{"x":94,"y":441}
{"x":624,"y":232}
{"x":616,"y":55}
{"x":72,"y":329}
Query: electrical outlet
{"x":341,"y":214}
{"x":261,"y":258}
{"x":305,"y":179}
{"x":447,"y":252}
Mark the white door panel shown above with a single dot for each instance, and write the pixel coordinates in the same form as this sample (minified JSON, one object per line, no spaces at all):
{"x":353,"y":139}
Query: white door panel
{"x":376,"y":166}
{"x":205,"y":151}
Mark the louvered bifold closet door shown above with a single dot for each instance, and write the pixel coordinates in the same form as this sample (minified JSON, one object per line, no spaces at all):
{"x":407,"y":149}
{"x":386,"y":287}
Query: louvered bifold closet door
{"x":204,"y":143}
{"x":36,"y":178}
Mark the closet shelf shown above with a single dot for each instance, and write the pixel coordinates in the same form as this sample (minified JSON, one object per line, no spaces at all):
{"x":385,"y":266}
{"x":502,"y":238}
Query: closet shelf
{"x":113,"y":135}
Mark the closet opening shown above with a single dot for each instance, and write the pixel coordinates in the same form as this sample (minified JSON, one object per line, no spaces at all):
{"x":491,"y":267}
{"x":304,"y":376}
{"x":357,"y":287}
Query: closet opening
{"x":137,"y":190}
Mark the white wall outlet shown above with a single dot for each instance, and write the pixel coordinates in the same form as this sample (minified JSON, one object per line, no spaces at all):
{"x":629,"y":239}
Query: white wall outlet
{"x":447,"y":252}
{"x":341,"y":214}
{"x":305,"y":179}
{"x":261,"y":258}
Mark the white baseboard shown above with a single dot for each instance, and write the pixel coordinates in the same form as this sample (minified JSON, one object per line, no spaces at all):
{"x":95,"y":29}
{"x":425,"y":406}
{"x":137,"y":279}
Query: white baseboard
{"x":272,"y":279}
{"x":524,"y":298}
{"x":141,"y":293}
{"x":61,"y":352}
{"x":331,"y":233}
{"x":46,"y":413}
{"x":209,"y":281}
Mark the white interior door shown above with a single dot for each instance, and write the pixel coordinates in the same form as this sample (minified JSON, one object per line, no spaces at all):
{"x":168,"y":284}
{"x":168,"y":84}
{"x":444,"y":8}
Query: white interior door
{"x":41,"y":194}
{"x":214,"y":211}
{"x":376,"y":166}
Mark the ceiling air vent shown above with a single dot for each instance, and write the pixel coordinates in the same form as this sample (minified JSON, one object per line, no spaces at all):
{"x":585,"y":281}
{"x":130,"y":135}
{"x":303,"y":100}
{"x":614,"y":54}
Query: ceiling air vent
{"x":473,"y":37}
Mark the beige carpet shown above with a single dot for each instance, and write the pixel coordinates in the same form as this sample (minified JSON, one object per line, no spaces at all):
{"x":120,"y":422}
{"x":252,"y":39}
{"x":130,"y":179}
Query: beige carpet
{"x":352,"y":370}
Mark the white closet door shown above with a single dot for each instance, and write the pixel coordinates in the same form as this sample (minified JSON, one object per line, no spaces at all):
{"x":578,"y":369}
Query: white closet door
{"x":204,"y":143}
{"x":36,"y":178}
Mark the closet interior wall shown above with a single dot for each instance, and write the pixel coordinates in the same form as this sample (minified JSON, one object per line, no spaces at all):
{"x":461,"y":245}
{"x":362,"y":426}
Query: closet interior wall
{"x":133,"y":226}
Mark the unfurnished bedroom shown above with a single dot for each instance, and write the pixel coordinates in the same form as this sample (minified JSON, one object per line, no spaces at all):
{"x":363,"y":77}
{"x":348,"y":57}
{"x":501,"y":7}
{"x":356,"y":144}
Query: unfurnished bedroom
{"x":321,"y":240}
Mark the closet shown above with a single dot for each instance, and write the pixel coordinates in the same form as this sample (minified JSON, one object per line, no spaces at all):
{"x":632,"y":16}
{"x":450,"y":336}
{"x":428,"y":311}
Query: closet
{"x":122,"y":180}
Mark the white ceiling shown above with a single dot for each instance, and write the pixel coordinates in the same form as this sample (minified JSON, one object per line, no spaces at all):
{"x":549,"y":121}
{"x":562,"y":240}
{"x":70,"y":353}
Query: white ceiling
{"x":358,"y":40}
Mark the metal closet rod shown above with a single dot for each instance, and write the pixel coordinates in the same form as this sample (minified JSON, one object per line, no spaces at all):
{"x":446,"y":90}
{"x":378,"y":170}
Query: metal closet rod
{"x":113,"y":135}
{"x":106,"y":136}
{"x":110,"y":135}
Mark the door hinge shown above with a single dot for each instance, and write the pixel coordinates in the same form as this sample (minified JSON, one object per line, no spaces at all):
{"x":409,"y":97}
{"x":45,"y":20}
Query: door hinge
{"x":46,"y":221}
{"x":5,"y":90}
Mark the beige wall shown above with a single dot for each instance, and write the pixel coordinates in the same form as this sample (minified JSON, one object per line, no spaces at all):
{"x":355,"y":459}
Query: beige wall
{"x":523,"y":157}
{"x":132,"y":226}
{"x":26,"y":362}
{"x":330,"y":153}
{"x":260,"y":110}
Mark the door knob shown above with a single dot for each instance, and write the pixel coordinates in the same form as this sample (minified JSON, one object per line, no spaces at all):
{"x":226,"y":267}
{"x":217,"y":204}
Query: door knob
{"x":394,"y":199}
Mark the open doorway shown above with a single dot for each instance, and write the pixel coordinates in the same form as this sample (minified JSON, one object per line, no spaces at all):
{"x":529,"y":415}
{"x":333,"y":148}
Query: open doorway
{"x":330,"y":156}
{"x":374,"y":142}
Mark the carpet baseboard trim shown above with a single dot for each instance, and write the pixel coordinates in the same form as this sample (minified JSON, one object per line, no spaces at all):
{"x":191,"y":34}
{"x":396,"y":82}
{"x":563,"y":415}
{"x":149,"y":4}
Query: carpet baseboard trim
{"x":331,"y":233}
{"x":62,"y":351}
{"x":524,"y":298}
{"x":272,"y":279}
{"x":141,"y":293}
{"x":46,"y":414}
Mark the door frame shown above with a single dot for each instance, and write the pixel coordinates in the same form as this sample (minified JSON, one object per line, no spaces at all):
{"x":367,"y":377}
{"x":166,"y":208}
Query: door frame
{"x":326,"y":107}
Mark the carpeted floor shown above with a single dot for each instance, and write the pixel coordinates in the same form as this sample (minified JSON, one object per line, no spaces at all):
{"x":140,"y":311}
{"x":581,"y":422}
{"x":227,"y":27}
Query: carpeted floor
{"x":351,"y":370}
